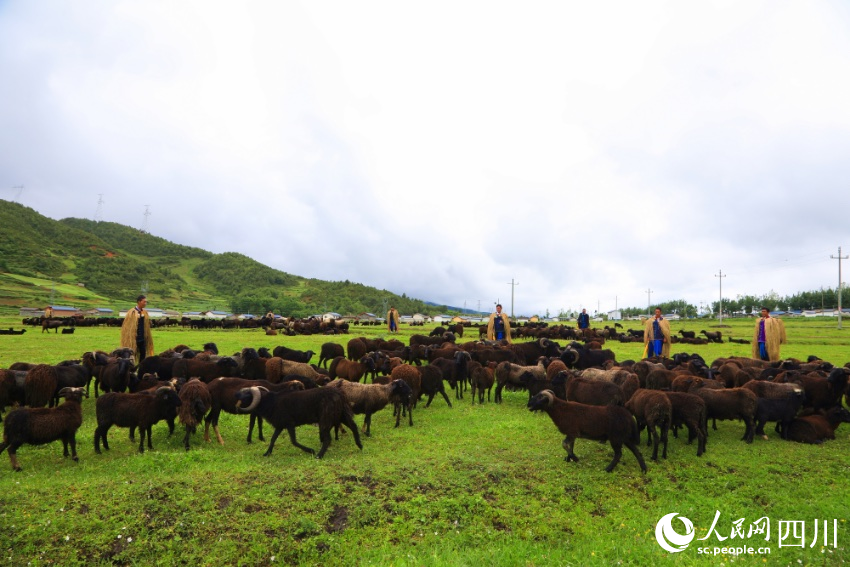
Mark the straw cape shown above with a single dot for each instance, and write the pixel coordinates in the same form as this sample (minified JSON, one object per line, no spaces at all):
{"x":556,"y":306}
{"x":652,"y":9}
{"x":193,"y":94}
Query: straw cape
{"x":392,"y":314}
{"x":665,"y":330}
{"x":774,"y":335}
{"x":128,"y":331}
{"x":491,"y":331}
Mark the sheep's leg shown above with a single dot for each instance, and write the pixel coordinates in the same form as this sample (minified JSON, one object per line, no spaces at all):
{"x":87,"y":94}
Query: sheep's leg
{"x":186,"y":439}
{"x":567,"y":444}
{"x":291,"y":431}
{"x":430,"y":399}
{"x":13,"y":455}
{"x":650,"y":428}
{"x":170,"y":422}
{"x":410,"y":415}
{"x":636,"y":452}
{"x":367,"y":425}
{"x":664,"y":430}
{"x":397,"y":413}
{"x":250,"y":426}
{"x":132,"y":433}
{"x":260,"y":429}
{"x":760,"y":428}
{"x":749,"y":431}
{"x":618,"y":454}
{"x":498,"y":395}
{"x":142,"y":432}
{"x":277,"y":432}
{"x":445,"y":397}
{"x":348,"y":421}
{"x":325,"y":438}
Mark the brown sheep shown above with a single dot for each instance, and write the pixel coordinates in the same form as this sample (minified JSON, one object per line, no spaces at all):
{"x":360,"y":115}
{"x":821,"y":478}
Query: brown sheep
{"x":689,"y":410}
{"x":580,"y":421}
{"x":651,"y":408}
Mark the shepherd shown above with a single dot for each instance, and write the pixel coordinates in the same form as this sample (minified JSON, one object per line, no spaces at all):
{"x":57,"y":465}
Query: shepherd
{"x":136,"y":330}
{"x":392,"y":320}
{"x":656,"y":336}
{"x":769,"y":334}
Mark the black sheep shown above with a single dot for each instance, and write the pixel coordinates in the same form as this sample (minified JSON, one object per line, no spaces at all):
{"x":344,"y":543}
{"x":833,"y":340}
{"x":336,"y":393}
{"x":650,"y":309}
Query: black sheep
{"x":128,"y":410}
{"x":38,"y":426}
{"x":287,"y":410}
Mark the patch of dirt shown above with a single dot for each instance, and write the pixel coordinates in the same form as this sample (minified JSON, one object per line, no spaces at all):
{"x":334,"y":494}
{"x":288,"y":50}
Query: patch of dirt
{"x":224,"y":503}
{"x":338,"y":521}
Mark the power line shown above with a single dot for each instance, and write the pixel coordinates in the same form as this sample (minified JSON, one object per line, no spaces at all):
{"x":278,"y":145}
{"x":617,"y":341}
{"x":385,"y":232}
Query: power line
{"x":98,"y":215}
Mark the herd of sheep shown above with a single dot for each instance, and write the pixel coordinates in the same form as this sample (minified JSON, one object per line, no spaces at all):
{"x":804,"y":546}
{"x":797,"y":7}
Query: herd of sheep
{"x":583,"y":389}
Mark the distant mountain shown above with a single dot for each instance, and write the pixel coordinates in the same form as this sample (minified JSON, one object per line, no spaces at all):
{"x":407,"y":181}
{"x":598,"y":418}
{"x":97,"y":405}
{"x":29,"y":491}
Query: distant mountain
{"x":105,"y":264}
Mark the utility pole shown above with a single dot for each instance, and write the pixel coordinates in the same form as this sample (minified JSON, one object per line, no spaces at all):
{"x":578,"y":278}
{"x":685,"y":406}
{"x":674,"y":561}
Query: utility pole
{"x":840,"y":284}
{"x":513,"y":285}
{"x":720,"y":309}
{"x":648,"y":300}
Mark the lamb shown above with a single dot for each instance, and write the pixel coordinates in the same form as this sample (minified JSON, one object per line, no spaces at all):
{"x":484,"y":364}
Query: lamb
{"x":370,"y":398}
{"x":455,"y":371}
{"x":817,"y":427}
{"x":432,"y":384}
{"x":195,"y":403}
{"x":287,"y":410}
{"x":580,"y":421}
{"x":292,"y":354}
{"x":350,"y":370}
{"x":508,"y":374}
{"x":781,"y":410}
{"x":410,"y":375}
{"x":652,"y":408}
{"x":38,"y":426}
{"x":731,"y":403}
{"x":689,"y":410}
{"x":713,"y":336}
{"x":128,"y":410}
{"x":481,"y":378}
{"x":328,"y":352}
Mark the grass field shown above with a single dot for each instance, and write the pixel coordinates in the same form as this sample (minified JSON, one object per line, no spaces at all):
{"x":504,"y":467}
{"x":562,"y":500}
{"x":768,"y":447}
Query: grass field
{"x":468,"y":485}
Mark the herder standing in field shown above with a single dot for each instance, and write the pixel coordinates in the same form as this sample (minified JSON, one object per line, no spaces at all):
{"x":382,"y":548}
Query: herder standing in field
{"x":656,"y":336}
{"x":769,"y":334}
{"x":392,"y":320}
{"x":583,"y":320}
{"x":499,"y":326}
{"x":136,"y":330}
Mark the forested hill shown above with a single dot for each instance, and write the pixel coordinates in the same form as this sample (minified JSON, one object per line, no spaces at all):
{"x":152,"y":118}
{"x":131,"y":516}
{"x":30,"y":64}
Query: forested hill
{"x":41,"y":258}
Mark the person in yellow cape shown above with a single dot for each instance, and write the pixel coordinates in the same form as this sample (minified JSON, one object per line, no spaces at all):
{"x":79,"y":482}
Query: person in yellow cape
{"x":392,"y":320}
{"x":768,"y":335}
{"x":136,"y":330}
{"x":499,"y":326}
{"x":656,"y":336}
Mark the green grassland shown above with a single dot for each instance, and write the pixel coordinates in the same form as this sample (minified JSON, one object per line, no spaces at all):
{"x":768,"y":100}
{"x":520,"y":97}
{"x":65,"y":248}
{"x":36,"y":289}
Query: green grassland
{"x":467,"y":485}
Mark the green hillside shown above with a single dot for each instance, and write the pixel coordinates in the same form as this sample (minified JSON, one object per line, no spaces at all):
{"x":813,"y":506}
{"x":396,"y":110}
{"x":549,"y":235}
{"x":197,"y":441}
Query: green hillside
{"x":102,"y":264}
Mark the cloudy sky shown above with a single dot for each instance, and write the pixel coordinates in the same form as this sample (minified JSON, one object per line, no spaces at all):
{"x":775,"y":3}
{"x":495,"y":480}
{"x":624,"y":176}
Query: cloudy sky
{"x":590,"y":151}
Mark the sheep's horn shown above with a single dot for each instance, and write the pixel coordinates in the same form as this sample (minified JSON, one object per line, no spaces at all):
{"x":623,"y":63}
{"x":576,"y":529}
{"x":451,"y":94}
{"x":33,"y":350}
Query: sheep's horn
{"x":549,"y":395}
{"x":255,"y":399}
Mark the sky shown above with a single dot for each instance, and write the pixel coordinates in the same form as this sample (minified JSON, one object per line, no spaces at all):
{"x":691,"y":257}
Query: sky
{"x":591,"y":152}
